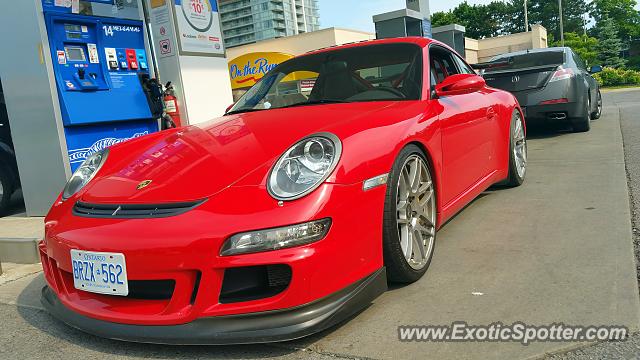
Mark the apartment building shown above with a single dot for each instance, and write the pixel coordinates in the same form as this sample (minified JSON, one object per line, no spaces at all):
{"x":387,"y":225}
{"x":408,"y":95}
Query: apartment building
{"x":249,"y":21}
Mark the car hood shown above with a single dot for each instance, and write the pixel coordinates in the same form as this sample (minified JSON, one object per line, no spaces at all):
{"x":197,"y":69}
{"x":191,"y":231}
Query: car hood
{"x":196,"y":162}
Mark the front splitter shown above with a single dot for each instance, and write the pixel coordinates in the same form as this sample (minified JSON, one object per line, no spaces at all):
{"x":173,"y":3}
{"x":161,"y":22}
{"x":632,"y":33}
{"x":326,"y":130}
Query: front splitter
{"x":262,"y":327}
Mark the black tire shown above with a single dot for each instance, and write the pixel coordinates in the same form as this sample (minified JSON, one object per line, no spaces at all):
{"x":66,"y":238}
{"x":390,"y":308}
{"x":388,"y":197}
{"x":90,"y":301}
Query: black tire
{"x":515,"y":178}
{"x":398,"y":268}
{"x":598,"y":113}
{"x":6,"y":189}
{"x":583,"y":123}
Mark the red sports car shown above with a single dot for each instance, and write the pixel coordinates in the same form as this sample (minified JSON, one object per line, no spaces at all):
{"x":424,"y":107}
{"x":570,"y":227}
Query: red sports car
{"x":288,"y":214}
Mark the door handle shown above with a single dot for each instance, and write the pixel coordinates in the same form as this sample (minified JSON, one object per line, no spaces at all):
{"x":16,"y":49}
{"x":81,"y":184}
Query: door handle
{"x":491,"y":113}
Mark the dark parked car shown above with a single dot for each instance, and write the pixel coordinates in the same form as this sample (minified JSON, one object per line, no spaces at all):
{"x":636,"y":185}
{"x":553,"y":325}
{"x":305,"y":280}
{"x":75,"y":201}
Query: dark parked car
{"x":551,"y":84}
{"x":9,"y":182}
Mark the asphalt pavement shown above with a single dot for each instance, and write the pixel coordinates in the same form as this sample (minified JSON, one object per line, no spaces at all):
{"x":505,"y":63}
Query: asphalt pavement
{"x":557,"y":249}
{"x":627,"y":103}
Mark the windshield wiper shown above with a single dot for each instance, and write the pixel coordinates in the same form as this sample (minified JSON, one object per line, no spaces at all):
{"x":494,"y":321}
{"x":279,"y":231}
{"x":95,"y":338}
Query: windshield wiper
{"x":316,"y":102}
{"x":240,"y":111}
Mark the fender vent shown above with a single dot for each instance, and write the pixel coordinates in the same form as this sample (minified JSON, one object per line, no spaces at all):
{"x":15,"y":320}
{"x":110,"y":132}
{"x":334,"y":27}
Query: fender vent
{"x":133,"y":211}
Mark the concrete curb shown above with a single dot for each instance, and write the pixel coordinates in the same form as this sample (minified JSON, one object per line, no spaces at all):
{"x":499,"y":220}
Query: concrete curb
{"x":19,"y":251}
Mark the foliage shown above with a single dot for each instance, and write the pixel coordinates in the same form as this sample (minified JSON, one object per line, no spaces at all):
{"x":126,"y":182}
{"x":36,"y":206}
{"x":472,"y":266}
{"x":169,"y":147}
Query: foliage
{"x":585,"y":46}
{"x":546,"y":13}
{"x":610,"y":45}
{"x":616,"y":22}
{"x":623,"y":14}
{"x":442,"y":18}
{"x":481,"y":21}
{"x":617,"y":77}
{"x":507,"y":17}
{"x":634,"y":62}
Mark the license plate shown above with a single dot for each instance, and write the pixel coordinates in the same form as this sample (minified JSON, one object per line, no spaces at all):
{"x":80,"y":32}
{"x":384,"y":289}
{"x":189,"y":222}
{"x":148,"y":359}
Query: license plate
{"x":99,"y":272}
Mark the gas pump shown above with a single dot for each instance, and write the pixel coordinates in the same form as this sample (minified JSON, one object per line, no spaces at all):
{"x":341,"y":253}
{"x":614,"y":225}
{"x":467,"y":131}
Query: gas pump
{"x":98,"y":62}
{"x":73,"y":80}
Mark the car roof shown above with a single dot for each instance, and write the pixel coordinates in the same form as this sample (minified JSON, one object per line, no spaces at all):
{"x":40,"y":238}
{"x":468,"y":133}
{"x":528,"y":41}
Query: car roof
{"x":420,"y":41}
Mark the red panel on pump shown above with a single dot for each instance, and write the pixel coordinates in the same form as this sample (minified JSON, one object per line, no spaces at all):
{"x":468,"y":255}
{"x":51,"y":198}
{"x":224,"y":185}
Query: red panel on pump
{"x":132,"y":59}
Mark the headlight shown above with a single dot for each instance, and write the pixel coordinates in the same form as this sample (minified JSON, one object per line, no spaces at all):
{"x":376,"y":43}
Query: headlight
{"x":84,"y":173}
{"x":304,"y":166}
{"x":277,"y":238}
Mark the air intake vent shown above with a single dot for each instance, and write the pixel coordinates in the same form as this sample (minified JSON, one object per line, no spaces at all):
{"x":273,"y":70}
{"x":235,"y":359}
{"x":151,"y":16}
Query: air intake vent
{"x":254,"y":282}
{"x":151,"y":289}
{"x":132,"y":211}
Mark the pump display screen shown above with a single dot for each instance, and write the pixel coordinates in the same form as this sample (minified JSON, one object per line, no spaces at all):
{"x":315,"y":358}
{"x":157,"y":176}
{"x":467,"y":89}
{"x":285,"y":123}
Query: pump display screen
{"x":75,"y":53}
{"x":72,"y":28}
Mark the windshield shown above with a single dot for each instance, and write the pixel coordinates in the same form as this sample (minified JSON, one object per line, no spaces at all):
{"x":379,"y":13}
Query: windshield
{"x":362,"y":73}
{"x":527,"y":60}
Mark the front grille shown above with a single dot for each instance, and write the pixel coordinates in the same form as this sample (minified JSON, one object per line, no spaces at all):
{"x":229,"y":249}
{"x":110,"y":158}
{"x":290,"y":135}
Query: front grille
{"x":254,"y":282}
{"x":133,"y":211}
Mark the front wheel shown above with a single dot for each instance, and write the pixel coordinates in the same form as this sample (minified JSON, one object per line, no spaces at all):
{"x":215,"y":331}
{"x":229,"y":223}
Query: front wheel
{"x":410,"y":217}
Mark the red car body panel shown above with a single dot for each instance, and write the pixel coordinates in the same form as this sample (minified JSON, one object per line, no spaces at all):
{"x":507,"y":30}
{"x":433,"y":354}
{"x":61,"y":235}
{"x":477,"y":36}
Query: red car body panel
{"x":227,"y":161}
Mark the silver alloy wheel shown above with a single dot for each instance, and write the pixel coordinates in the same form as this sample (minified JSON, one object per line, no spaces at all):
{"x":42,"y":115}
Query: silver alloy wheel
{"x":1,"y":191}
{"x":416,"y":212}
{"x":520,"y":147}
{"x":599,"y":110}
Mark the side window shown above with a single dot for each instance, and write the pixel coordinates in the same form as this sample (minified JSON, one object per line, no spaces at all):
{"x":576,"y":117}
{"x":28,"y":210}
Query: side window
{"x":442,"y":64}
{"x":464,"y":68}
{"x":581,"y":65}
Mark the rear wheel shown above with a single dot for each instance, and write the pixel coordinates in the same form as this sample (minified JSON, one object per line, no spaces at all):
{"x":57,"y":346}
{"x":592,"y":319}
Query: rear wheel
{"x":583,"y":123}
{"x":410,"y":217}
{"x":598,"y":113}
{"x":517,"y":151}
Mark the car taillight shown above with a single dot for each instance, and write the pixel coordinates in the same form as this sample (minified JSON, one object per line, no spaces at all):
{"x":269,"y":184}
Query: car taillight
{"x":562,"y":74}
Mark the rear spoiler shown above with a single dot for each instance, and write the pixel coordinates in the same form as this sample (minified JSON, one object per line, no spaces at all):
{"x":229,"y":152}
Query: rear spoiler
{"x":492,"y":64}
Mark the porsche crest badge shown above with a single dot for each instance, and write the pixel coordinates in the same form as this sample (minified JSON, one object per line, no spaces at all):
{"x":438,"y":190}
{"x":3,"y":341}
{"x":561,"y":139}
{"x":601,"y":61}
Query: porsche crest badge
{"x":143,"y":184}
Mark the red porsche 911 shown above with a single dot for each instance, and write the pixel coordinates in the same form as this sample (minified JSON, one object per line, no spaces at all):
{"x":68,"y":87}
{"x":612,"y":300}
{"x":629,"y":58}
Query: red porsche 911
{"x":288,"y":214}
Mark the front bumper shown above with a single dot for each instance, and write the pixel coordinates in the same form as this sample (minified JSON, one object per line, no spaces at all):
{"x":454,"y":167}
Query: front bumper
{"x":270,"y":326}
{"x":184,"y":249}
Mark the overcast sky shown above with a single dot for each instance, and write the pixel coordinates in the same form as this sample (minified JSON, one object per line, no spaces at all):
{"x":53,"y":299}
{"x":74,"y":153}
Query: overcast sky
{"x":357,"y":14}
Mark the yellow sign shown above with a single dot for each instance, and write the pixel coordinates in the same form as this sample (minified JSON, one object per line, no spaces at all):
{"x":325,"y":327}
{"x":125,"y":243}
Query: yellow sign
{"x":158,"y":3}
{"x":248,"y":69}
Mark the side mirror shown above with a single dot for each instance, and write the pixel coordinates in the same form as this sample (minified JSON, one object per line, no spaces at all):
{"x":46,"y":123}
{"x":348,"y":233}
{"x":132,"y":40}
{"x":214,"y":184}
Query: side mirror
{"x":595,"y":69}
{"x":460,"y":84}
{"x":229,"y":108}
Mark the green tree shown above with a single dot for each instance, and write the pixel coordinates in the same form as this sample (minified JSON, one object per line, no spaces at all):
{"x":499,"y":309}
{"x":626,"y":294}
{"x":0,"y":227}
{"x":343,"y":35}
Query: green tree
{"x":585,"y":46}
{"x":480,"y":21}
{"x":547,"y":14}
{"x":507,"y":17}
{"x":610,"y":45}
{"x":623,"y":14}
{"x":443,"y":18}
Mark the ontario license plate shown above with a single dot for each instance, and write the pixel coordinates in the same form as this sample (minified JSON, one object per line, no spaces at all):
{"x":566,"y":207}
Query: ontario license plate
{"x":99,"y":272}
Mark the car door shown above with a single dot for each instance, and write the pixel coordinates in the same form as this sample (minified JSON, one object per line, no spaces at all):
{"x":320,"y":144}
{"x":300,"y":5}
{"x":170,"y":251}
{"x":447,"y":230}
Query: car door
{"x":467,"y":123}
